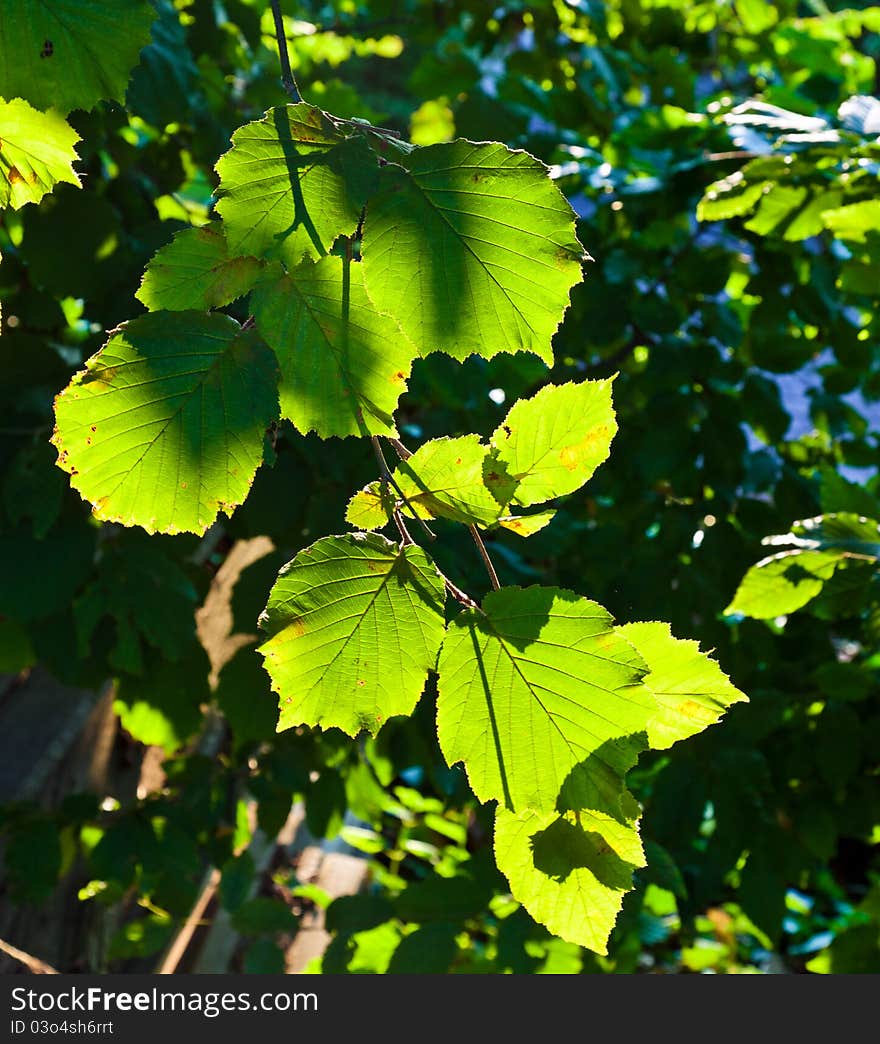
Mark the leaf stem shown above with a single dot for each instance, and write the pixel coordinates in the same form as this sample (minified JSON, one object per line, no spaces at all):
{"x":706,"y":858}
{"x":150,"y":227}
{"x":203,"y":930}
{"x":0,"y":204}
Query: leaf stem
{"x":484,"y":554}
{"x":389,"y":480}
{"x":287,"y":77}
{"x":405,"y":454}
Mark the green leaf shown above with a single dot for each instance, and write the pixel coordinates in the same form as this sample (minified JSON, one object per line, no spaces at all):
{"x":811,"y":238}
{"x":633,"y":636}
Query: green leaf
{"x":691,"y":690}
{"x":195,"y":271}
{"x":776,"y":206}
{"x":292,"y":183}
{"x":783,"y":583}
{"x":445,"y":478}
{"x":71,"y":54}
{"x":551,"y":444}
{"x":840,"y":531}
{"x":163,"y":707}
{"x":527,"y":525}
{"x":354,"y":625}
{"x":36,"y":152}
{"x":264,"y":916}
{"x":369,"y":509}
{"x":343,"y":364}
{"x":730,"y":197}
{"x":787,"y":581}
{"x":165,"y":426}
{"x":148,"y":598}
{"x":570,"y":872}
{"x":429,"y":950}
{"x":853,"y":222}
{"x":472,"y":248}
{"x":542,"y":701}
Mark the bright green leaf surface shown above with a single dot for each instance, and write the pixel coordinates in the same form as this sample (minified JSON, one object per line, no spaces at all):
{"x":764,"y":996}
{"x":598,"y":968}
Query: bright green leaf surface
{"x":164,"y":428}
{"x":36,"y":152}
{"x":445,"y":477}
{"x":526,"y":525}
{"x":69,"y":54}
{"x":354,"y":625}
{"x":292,"y":183}
{"x":838,"y":531}
{"x":783,"y":583}
{"x":551,"y":444}
{"x":691,"y":690}
{"x":195,"y":271}
{"x":730,"y":197}
{"x":542,"y":701}
{"x":367,"y":509}
{"x":570,"y":872}
{"x":472,"y":248}
{"x":343,"y":364}
{"x":854,"y":222}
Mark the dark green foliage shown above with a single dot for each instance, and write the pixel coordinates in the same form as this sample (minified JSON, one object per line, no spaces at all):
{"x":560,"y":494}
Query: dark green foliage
{"x":734,"y":288}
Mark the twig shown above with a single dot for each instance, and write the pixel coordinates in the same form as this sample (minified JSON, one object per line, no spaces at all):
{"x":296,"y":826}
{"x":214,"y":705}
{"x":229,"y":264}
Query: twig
{"x":389,"y":480}
{"x":399,"y":449}
{"x":194,"y":920}
{"x":287,"y":77}
{"x":462,"y":597}
{"x":716,"y":157}
{"x":33,"y":964}
{"x":484,"y":554}
{"x":383,"y":132}
{"x":405,"y":454}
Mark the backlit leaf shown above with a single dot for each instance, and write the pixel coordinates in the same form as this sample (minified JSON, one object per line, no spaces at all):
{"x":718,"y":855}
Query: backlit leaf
{"x":445,"y":477}
{"x":69,"y":54}
{"x":570,"y":872}
{"x":472,"y":249}
{"x":542,"y":701}
{"x":195,"y":271}
{"x":36,"y":152}
{"x":343,"y":364}
{"x":551,"y":444}
{"x":354,"y":625}
{"x":691,"y":690}
{"x":291,"y":184}
{"x":164,"y":427}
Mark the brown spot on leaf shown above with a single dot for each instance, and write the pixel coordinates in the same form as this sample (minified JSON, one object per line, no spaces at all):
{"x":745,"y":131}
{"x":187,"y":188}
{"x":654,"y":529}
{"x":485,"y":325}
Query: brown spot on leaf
{"x":572,"y":456}
{"x":14,"y":175}
{"x":691,"y":709}
{"x":183,"y":485}
{"x":361,"y":683}
{"x":297,"y":627}
{"x":94,"y":427}
{"x":48,"y":49}
{"x":88,"y":440}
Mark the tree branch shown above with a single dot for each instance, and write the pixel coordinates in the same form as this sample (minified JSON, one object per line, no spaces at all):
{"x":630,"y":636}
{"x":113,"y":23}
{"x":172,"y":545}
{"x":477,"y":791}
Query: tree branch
{"x":287,"y":77}
{"x":484,"y":554}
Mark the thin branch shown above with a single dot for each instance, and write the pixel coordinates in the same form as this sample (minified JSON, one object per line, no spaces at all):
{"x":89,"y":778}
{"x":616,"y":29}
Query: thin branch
{"x":194,"y":920}
{"x":287,"y":77}
{"x":33,"y":964}
{"x":389,"y":480}
{"x":462,"y":597}
{"x":484,"y":554}
{"x":405,"y":454}
{"x":717,"y":157}
{"x":383,"y":132}
{"x":399,"y":449}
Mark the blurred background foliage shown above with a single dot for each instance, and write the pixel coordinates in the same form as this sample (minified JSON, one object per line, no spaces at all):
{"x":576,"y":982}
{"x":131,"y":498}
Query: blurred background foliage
{"x":733,"y":287}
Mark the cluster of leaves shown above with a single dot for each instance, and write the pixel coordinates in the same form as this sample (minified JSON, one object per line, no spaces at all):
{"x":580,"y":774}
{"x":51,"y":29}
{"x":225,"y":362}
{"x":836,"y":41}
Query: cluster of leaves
{"x":746,"y":385}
